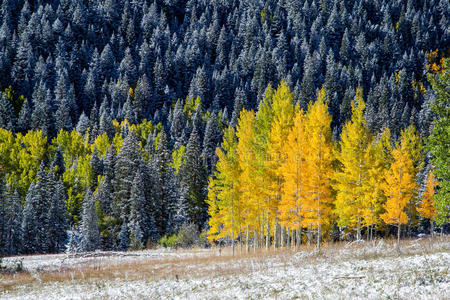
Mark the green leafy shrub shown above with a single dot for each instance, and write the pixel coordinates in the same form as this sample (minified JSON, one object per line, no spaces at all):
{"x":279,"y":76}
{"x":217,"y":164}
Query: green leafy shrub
{"x":187,"y":237}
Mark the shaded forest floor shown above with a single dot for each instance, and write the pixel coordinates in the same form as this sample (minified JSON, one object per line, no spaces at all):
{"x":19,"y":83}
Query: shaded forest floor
{"x":364,"y":270}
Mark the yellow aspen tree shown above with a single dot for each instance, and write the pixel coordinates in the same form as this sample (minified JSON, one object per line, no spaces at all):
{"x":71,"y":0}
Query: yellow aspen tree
{"x":379,"y":159}
{"x":352,"y":174}
{"x":226,"y":186}
{"x":319,"y":157}
{"x":426,"y":209}
{"x":262,"y":127}
{"x":282,"y":121}
{"x":249,"y":177}
{"x":411,"y":143}
{"x":399,"y":187}
{"x":294,"y":172}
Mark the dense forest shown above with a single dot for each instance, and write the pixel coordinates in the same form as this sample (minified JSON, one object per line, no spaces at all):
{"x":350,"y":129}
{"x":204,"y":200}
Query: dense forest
{"x":123,"y":121}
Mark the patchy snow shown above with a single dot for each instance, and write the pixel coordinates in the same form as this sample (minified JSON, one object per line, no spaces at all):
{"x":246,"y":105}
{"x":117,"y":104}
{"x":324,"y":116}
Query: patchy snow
{"x":307,"y":275}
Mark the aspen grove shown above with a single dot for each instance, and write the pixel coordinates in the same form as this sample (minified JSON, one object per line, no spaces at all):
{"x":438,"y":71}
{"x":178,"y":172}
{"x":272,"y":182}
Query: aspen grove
{"x":281,"y":180}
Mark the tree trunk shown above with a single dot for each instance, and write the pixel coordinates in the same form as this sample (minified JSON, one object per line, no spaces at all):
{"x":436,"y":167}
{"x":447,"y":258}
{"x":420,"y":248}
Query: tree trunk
{"x":431,"y":227}
{"x":247,"y":241}
{"x":268,"y":234}
{"x":240,"y":243}
{"x":358,"y":230}
{"x":255,"y":240}
{"x":398,"y":234}
{"x":294,"y":238}
{"x":318,"y":235}
{"x":275,"y":238}
{"x":298,"y":241}
{"x":232,"y":241}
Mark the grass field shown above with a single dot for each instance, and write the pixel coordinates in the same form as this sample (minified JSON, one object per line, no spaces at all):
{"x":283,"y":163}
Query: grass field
{"x":357,"y":270}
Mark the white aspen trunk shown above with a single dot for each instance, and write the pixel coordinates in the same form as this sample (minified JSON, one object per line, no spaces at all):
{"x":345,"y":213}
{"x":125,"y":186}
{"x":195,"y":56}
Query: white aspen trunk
{"x":298,"y":240}
{"x":240,"y":239}
{"x":398,"y":235}
{"x":232,"y":241}
{"x":318,"y":235}
{"x":275,"y":237}
{"x":267,"y":234}
{"x":247,"y":241}
{"x":431,"y":227}
{"x":255,"y":240}
{"x":294,"y":232}
{"x":358,"y":230}
{"x":288,"y":237}
{"x":282,"y":237}
{"x":309,"y":235}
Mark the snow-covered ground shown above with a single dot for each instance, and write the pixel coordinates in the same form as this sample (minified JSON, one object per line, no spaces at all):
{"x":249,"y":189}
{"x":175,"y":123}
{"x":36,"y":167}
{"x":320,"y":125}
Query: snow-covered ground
{"x":354,"y":271}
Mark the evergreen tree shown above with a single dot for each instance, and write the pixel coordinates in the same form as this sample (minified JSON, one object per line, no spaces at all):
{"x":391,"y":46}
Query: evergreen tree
{"x":138,"y":217}
{"x":58,"y":223}
{"x":24,"y":123}
{"x":210,"y":142}
{"x":29,"y":223}
{"x":7,"y":117}
{"x":58,"y":166}
{"x":125,"y":167}
{"x":89,"y":233}
{"x":124,"y":237}
{"x":165,"y":189}
{"x":193,"y":176}
{"x":15,"y":233}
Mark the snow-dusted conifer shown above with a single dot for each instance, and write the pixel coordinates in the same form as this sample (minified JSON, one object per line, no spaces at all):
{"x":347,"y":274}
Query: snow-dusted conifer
{"x":90,"y":236}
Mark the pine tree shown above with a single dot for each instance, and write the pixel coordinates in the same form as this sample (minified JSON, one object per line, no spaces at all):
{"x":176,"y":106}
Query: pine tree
{"x":42,"y":200}
{"x":24,"y":123}
{"x":83,"y":123}
{"x":3,"y":219}
{"x":29,"y":223}
{"x":124,"y":237}
{"x":180,"y":214}
{"x":90,"y":236}
{"x":164,"y":190}
{"x":137,"y":219}
{"x":193,"y":175}
{"x":58,"y":224}
{"x":73,"y":244}
{"x":14,"y":223}
{"x":58,"y":166}
{"x":96,"y":166}
{"x":7,"y":117}
{"x":210,"y":142}
{"x":125,"y":167}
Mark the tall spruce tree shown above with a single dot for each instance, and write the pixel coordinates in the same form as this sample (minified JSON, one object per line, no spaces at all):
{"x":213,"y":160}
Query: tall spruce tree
{"x":90,"y":236}
{"x":194,"y":177}
{"x":125,"y":167}
{"x":58,"y":221}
